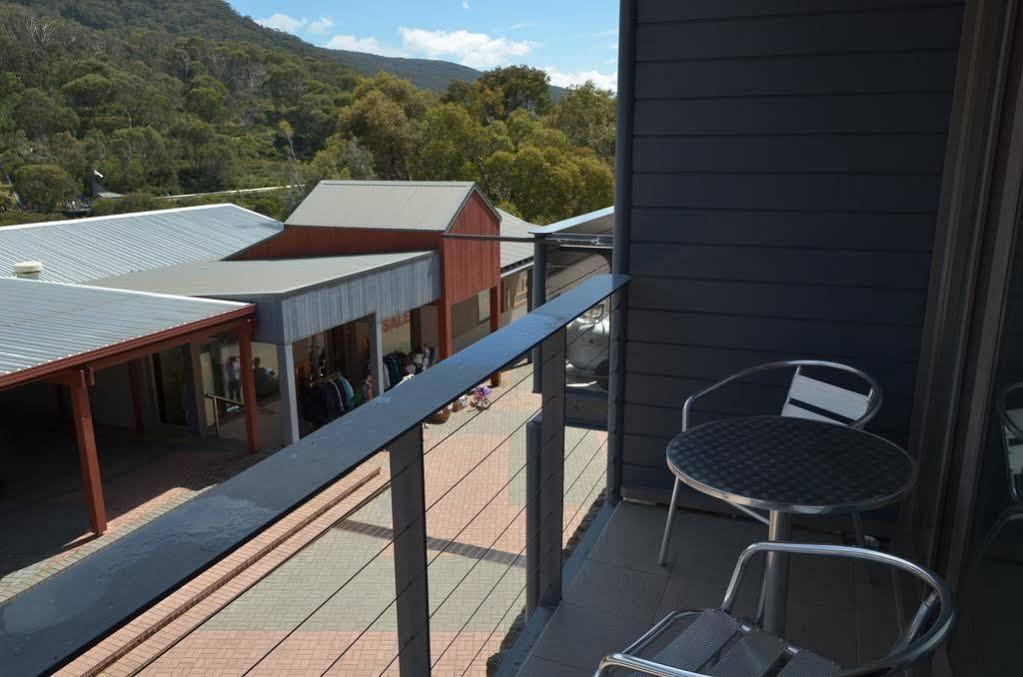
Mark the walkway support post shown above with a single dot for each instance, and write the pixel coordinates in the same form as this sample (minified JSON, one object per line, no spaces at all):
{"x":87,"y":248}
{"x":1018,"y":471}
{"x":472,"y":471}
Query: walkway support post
{"x":85,"y":437}
{"x":495,"y":324}
{"x":248,"y":385}
{"x":288,"y":387}
{"x":195,"y":397}
{"x":376,"y":353}
{"x":135,"y":382}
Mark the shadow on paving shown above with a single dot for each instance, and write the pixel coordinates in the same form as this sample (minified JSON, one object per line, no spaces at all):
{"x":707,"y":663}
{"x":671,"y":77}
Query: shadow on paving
{"x":42,"y":505}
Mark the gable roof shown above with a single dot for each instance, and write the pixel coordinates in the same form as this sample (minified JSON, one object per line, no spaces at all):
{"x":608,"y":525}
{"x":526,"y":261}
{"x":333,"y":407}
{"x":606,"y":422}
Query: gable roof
{"x":386,"y":205}
{"x":82,"y":250}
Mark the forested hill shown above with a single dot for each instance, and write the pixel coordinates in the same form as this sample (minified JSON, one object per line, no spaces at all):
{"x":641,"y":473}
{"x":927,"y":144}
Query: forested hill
{"x":216,"y":20}
{"x":179,"y":96}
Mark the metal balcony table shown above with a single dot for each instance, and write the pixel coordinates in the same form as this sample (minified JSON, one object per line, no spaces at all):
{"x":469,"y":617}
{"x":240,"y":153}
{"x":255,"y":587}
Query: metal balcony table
{"x":789,"y":466}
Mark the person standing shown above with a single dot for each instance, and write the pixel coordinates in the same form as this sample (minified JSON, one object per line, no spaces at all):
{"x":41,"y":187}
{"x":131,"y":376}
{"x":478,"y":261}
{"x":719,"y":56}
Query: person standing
{"x":234,"y":379}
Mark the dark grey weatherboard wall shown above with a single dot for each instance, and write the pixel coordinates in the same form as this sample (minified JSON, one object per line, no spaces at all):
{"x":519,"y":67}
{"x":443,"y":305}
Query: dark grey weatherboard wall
{"x":786,"y":167}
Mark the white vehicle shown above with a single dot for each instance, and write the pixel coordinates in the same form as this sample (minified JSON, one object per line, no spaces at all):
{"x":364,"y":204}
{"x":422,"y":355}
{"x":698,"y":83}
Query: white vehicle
{"x":588,"y":339}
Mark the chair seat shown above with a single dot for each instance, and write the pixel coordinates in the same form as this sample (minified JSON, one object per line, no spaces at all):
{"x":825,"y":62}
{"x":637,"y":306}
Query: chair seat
{"x":718,"y":644}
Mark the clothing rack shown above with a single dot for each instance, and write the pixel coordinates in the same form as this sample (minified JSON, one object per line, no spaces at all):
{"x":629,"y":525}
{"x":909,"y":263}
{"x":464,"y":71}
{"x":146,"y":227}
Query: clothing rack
{"x":329,"y":377}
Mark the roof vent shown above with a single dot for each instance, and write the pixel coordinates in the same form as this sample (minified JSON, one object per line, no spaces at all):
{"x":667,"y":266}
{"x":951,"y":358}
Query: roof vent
{"x":28,"y":270}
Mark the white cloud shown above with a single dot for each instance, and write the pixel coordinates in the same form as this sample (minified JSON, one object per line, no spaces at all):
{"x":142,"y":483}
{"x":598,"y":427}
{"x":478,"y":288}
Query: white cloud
{"x":321,"y":25}
{"x":465,"y":4}
{"x":356,"y":44}
{"x":477,"y":50}
{"x":283,"y":22}
{"x":519,"y":27}
{"x":612,"y":33}
{"x":562,"y":78}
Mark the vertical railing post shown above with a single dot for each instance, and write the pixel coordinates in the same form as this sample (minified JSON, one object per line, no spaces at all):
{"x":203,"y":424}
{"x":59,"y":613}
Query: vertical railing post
{"x":538,"y":297}
{"x":616,"y":398}
{"x":545,"y":480}
{"x":408,"y":517}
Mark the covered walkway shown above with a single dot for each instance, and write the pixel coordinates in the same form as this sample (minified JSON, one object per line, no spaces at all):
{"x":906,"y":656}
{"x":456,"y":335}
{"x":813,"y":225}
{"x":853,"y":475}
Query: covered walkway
{"x":63,"y":334}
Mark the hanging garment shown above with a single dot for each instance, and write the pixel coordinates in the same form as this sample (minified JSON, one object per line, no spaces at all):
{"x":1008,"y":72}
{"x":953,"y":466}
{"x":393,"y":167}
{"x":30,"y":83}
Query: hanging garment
{"x":340,"y":399}
{"x":330,"y":396}
{"x":347,"y":393}
{"x":314,"y":406}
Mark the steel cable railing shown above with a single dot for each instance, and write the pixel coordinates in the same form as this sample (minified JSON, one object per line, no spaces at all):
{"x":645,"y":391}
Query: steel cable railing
{"x":443,"y":550}
{"x":395,"y":536}
{"x":350,"y":579}
{"x":600,"y":479}
{"x":380,"y":552}
{"x":521,"y":552}
{"x":510,"y":566}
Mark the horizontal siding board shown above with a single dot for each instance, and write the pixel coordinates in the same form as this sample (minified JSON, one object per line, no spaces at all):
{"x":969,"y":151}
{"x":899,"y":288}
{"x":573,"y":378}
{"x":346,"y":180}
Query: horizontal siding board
{"x":911,"y":154}
{"x":893,"y":232}
{"x":811,"y":302}
{"x":697,"y":10}
{"x":744,"y":398}
{"x":665,"y":421}
{"x":906,"y":270}
{"x":917,"y":28}
{"x":711,"y":363}
{"x":647,"y":450}
{"x":831,"y":74}
{"x":849,"y":192}
{"x":795,"y":337}
{"x":787,"y":159}
{"x":892,"y":113}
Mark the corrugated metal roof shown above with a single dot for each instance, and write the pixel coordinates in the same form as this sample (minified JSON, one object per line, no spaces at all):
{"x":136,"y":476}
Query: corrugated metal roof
{"x":514,"y":253}
{"x":244,"y":279}
{"x":44,"y":322}
{"x":83,"y":250}
{"x":383,"y":205}
{"x":296,"y":298}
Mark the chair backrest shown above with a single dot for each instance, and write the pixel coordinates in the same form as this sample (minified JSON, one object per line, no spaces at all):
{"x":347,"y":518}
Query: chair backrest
{"x":809,"y":397}
{"x":819,"y":400}
{"x":1011,"y":420}
{"x":928,"y":628}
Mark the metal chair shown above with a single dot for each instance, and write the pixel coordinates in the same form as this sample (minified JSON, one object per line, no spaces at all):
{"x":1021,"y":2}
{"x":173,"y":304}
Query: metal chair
{"x":808,"y":398}
{"x":715,"y":642}
{"x":1011,"y":421}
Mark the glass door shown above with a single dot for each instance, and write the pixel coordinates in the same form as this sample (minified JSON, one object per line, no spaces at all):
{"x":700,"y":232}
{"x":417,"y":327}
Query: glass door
{"x":986,"y":638}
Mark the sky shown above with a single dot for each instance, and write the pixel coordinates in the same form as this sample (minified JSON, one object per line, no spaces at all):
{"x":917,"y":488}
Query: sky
{"x":573,"y":40}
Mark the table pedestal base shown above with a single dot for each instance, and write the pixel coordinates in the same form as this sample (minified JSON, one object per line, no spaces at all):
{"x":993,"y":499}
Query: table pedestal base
{"x":775,"y":593}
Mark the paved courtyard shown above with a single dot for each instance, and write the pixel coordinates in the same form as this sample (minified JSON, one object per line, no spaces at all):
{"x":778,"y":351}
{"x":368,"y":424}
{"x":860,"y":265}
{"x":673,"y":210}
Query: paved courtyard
{"x":43,"y":522}
{"x":326,"y":606}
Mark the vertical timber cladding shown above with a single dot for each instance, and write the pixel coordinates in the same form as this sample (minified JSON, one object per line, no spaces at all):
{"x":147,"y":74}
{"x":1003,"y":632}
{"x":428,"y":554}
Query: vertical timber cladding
{"x":472,"y":266}
{"x":468,"y":266}
{"x":305,"y":241}
{"x":787,"y":160}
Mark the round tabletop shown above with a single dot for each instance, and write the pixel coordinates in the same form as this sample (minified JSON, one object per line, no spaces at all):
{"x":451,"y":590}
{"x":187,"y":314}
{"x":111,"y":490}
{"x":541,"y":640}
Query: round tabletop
{"x":791,"y":465}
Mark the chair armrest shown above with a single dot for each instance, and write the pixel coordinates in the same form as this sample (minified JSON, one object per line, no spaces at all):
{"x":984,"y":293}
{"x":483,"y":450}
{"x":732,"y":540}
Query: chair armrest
{"x":687,"y":404}
{"x":620,"y":660}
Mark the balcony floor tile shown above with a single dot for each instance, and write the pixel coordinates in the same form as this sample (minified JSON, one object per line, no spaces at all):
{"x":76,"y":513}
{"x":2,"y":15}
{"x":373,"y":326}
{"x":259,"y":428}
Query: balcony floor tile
{"x":836,"y":608}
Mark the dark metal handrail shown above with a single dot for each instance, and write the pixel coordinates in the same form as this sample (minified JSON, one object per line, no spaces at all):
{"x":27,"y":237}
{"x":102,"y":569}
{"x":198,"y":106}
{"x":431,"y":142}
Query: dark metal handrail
{"x":55,"y":621}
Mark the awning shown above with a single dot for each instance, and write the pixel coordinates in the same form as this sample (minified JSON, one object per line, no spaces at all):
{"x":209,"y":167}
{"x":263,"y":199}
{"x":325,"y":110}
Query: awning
{"x":49,"y":327}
